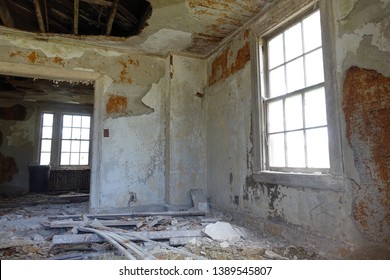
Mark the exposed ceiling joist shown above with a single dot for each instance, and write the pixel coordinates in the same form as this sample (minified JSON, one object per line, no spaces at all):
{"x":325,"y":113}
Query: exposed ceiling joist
{"x":99,"y":2}
{"x":112,"y":17}
{"x":76,"y":17}
{"x":39,"y":16}
{"x":5,"y":14}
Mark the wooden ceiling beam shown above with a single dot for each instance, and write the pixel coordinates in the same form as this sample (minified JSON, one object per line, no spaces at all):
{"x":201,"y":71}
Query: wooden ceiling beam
{"x":38,"y":11}
{"x":99,"y":2}
{"x":76,"y":17}
{"x":111,"y":19}
{"x":5,"y":15}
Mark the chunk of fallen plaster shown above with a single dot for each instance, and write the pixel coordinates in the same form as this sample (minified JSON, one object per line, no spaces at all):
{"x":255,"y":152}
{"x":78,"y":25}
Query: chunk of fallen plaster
{"x":221,"y":231}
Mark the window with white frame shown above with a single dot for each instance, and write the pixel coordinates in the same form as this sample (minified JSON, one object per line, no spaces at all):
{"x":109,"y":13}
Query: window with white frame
{"x":65,"y":139}
{"x":294,"y":104}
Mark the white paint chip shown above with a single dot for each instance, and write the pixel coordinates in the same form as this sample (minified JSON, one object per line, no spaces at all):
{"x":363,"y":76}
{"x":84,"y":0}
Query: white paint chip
{"x":222,"y":231}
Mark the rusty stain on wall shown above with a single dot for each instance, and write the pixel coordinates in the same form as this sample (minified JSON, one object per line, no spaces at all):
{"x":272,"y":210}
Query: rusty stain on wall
{"x":8,"y":168}
{"x":124,"y":75}
{"x":14,"y":113}
{"x":116,"y":105}
{"x":32,"y":57}
{"x":221,"y":68}
{"x":366,"y":107}
{"x":12,"y":54}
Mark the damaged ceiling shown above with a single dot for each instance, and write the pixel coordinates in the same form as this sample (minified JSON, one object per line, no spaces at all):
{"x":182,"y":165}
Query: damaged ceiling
{"x":41,"y":90}
{"x":78,"y":17}
{"x":156,"y":26}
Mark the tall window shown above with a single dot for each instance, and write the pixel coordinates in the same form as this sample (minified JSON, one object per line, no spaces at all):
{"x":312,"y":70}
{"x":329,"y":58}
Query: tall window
{"x":65,"y":139}
{"x":296,"y":130}
{"x":46,"y":138}
{"x":75,"y":140}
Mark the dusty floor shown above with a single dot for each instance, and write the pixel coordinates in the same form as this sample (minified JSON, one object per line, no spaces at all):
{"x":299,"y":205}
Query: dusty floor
{"x":25,"y":234}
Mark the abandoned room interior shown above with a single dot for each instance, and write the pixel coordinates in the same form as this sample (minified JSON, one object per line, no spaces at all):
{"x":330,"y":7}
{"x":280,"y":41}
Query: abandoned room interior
{"x":149,"y":128}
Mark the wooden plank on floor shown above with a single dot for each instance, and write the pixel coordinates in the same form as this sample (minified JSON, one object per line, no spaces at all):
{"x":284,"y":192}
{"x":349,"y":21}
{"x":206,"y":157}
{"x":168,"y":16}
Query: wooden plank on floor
{"x":131,"y":215}
{"x":153,"y":235}
{"x":107,"y":223}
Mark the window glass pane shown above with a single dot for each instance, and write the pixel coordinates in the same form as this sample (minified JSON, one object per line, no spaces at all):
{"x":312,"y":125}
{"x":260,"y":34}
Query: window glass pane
{"x":65,"y":146}
{"x":47,"y":132}
{"x":85,"y":133}
{"x":46,"y":146}
{"x":276,"y":150}
{"x":293,"y":107}
{"x":293,"y":41}
{"x":44,"y":159}
{"x":295,"y":149}
{"x":315,"y":108}
{"x":312,"y":32}
{"x":74,"y":158}
{"x":75,"y":146}
{"x":317,"y":148}
{"x":65,"y":158}
{"x":277,"y":84}
{"x":47,"y":119}
{"x":275,"y":116}
{"x":275,"y":51}
{"x":66,"y":133}
{"x":84,"y":158}
{"x":84,"y":147}
{"x":314,"y":68}
{"x":76,"y":133}
{"x":295,"y":75}
{"x":85,"y":121}
{"x":76,"y":121}
{"x":67,"y":121}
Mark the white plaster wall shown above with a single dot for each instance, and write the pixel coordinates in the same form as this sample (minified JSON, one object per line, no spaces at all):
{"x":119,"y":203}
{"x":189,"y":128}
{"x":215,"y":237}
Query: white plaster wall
{"x":133,"y":157}
{"x":187,"y":130}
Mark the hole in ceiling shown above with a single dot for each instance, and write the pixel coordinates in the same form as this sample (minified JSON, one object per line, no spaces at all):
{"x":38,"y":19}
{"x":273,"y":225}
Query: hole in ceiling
{"x":42,"y":90}
{"x":118,"y":18}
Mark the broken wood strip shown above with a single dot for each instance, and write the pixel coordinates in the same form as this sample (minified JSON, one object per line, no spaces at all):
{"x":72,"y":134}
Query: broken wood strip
{"x":76,"y":10}
{"x":131,"y":215}
{"x":112,"y":17}
{"x":180,"y":241}
{"x":136,"y":236}
{"x":108,"y":223}
{"x":5,"y":15}
{"x":176,"y":250}
{"x":110,"y":240}
{"x":145,"y":255}
{"x":99,"y":2}
{"x":39,"y":16}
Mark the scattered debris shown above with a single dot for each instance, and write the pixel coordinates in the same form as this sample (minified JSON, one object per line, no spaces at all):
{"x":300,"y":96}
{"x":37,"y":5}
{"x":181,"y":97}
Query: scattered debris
{"x":27,"y":232}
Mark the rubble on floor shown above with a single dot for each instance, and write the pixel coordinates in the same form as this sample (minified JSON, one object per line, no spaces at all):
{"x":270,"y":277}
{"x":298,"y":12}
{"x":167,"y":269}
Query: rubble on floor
{"x":42,"y":228}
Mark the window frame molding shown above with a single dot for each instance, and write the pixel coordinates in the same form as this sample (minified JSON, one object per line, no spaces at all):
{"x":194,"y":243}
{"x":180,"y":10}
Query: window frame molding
{"x":335,"y":178}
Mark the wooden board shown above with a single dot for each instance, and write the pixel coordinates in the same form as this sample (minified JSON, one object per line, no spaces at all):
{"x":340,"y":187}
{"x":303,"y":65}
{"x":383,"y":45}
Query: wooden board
{"x":154,"y":235}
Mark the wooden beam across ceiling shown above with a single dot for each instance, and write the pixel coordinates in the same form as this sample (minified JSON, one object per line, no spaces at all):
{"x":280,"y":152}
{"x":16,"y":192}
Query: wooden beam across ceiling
{"x":76,"y":17}
{"x":99,"y":2}
{"x":5,"y":15}
{"x":39,"y":16}
{"x":111,"y":19}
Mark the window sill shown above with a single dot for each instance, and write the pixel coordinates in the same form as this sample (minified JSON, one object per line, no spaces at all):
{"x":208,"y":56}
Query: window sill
{"x":301,"y":180}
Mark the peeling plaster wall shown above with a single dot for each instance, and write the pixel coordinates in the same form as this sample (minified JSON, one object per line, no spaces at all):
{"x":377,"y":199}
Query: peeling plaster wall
{"x":362,"y":36}
{"x":17,"y":132}
{"x":187,"y":130}
{"x":363,"y":59}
